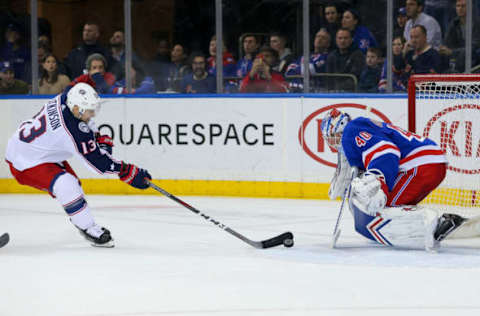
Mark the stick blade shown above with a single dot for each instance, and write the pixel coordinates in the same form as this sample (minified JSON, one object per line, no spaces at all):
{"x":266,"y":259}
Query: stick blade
{"x":285,"y":239}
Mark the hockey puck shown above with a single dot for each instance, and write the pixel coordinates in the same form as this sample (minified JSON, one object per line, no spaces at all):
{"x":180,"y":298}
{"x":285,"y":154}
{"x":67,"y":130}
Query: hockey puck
{"x":288,"y":242}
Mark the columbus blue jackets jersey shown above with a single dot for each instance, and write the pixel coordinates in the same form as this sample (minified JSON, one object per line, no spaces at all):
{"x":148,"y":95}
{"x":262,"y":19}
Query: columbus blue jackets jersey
{"x":54,"y":135}
{"x":370,"y":144}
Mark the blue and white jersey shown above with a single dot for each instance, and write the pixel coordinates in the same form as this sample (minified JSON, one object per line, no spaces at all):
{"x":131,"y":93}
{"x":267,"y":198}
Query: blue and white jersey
{"x":244,"y":66}
{"x":377,"y":145}
{"x":317,"y":64}
{"x":54,"y":135}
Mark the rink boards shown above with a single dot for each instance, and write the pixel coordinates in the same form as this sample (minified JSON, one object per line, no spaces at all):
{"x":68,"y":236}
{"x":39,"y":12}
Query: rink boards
{"x":240,"y":145}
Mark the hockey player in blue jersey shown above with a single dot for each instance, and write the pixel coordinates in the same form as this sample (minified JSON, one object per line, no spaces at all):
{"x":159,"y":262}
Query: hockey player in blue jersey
{"x":398,"y":169}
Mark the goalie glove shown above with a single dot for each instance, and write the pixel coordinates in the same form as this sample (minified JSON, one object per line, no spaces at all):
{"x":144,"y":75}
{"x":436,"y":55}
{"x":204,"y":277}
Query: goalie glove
{"x":341,"y":177}
{"x":369,"y":189}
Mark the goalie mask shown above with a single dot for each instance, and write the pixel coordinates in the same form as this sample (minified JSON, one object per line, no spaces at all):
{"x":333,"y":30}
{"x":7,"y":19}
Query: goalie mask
{"x":333,"y":125}
{"x":84,"y":96}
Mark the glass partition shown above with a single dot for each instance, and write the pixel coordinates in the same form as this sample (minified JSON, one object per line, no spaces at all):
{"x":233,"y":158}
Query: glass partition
{"x":344,"y":33}
{"x":174,"y":44}
{"x":262,"y":40}
{"x":171,"y":41}
{"x":15,"y":54}
{"x":74,"y":39}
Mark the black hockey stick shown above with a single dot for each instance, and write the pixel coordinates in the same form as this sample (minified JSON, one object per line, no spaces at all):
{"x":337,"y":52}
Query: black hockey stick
{"x":286,"y":238}
{"x":4,"y":239}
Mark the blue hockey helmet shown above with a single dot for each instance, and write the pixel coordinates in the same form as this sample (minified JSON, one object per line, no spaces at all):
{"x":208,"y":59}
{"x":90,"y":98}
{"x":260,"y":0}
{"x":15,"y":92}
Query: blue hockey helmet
{"x":333,"y":125}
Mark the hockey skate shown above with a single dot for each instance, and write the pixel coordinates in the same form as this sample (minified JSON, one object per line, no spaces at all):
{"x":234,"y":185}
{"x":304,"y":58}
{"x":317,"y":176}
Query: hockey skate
{"x":447,"y":223}
{"x":98,"y":236}
{"x":441,"y":228}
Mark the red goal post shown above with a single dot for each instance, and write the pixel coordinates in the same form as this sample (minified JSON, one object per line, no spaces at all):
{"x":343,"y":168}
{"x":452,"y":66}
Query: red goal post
{"x":446,"y":108}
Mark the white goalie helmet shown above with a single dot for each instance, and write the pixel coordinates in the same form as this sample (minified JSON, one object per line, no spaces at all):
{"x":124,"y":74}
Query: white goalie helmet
{"x":84,"y":96}
{"x":333,"y":125}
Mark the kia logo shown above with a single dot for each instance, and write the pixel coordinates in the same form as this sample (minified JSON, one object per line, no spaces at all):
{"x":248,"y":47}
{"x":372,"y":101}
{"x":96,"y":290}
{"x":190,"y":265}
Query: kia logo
{"x":310,"y":134}
{"x":454,"y":130}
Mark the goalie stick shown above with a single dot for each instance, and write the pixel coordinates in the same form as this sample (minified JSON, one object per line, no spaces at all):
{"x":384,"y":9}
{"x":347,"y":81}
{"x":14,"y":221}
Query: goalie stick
{"x":286,"y":238}
{"x":4,"y":239}
{"x":346,"y":194}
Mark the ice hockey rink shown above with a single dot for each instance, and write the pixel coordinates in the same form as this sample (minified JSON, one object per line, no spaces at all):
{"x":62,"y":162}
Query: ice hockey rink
{"x":169,"y":261}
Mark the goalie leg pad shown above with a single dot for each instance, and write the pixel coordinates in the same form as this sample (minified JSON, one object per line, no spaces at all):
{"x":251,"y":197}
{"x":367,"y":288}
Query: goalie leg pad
{"x":366,"y":224}
{"x":402,"y":227}
{"x":469,"y":229}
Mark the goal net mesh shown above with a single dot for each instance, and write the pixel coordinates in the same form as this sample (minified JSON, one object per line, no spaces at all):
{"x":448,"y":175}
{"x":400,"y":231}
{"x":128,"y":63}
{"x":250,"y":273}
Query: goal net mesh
{"x":447,"y":110}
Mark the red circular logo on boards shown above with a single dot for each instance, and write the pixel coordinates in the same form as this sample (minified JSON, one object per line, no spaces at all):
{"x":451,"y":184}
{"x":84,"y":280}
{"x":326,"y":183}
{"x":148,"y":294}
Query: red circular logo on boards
{"x":310,"y":135}
{"x":454,"y":130}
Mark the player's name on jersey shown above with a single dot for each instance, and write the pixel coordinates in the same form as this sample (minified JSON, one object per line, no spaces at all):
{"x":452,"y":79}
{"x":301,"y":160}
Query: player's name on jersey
{"x":53,"y":115}
{"x":250,"y":134}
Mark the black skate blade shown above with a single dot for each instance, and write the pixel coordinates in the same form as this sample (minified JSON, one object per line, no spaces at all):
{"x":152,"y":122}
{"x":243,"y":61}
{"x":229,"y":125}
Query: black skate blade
{"x":4,"y":239}
{"x":108,"y":244}
{"x":450,"y":223}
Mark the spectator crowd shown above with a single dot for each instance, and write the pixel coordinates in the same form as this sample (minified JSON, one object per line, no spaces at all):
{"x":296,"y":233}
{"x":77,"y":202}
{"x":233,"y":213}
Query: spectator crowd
{"x":346,"y":57}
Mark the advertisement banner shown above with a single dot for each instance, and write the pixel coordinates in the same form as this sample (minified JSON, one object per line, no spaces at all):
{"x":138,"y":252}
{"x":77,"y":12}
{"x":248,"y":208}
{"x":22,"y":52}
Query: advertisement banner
{"x":241,"y":139}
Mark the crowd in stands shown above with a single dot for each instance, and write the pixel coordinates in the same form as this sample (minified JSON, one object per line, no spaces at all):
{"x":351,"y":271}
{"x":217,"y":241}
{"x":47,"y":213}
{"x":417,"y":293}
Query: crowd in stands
{"x":426,"y":40}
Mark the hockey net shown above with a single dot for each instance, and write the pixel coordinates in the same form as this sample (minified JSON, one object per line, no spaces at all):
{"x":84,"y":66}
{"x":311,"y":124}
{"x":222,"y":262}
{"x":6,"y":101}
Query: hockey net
{"x":446,"y":109}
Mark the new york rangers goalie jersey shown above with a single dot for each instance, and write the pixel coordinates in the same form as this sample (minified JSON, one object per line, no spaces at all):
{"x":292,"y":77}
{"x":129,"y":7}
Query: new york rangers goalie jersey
{"x":369,"y":144}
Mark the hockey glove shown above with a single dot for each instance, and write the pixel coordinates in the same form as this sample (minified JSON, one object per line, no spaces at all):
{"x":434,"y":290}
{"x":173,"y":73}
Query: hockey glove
{"x":369,"y":189}
{"x":134,"y":176}
{"x":105,"y":142}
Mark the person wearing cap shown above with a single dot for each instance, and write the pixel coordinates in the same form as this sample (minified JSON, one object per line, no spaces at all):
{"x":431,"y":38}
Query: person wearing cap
{"x":8,"y":83}
{"x":16,"y":53}
{"x":401,"y":21}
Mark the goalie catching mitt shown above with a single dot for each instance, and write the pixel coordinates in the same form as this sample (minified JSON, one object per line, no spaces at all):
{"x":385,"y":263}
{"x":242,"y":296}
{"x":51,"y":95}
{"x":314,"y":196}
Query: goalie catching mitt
{"x":371,"y":191}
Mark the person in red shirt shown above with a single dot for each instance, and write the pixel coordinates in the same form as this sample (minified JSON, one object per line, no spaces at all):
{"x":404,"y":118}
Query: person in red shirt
{"x":96,"y":67}
{"x":261,"y":77}
{"x":229,"y":64}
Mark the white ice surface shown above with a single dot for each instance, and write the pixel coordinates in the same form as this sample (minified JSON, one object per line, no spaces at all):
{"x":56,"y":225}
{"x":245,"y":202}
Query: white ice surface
{"x":169,"y":261}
